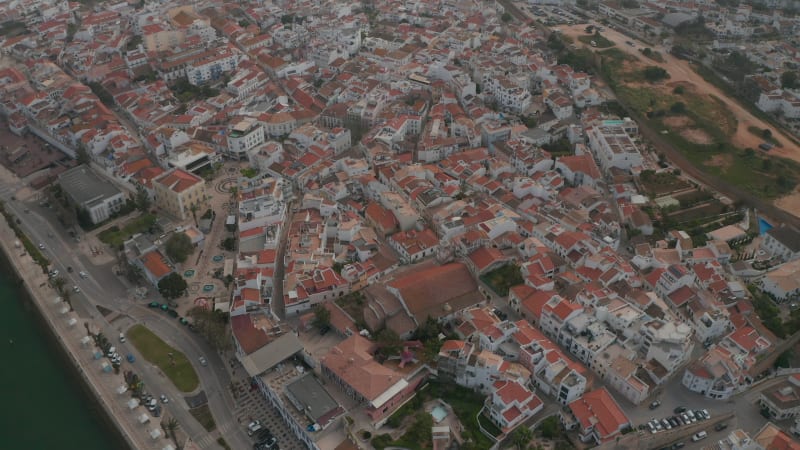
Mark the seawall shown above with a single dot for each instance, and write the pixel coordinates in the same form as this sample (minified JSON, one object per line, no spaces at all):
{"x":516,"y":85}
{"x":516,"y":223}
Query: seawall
{"x":32,"y":282}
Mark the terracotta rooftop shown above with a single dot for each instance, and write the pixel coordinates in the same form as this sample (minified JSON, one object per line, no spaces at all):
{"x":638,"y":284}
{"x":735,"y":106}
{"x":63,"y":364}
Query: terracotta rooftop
{"x":352,"y":362}
{"x":438,"y":291}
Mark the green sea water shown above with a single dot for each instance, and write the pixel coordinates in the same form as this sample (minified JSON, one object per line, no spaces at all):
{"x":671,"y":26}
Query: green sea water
{"x":45,"y":405}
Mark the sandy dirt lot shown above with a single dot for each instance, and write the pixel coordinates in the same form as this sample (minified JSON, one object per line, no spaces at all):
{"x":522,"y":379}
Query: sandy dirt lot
{"x":681,"y":71}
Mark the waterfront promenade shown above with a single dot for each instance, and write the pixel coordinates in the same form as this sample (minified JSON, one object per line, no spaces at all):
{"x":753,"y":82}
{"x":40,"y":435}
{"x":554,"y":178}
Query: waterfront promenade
{"x":69,"y":334}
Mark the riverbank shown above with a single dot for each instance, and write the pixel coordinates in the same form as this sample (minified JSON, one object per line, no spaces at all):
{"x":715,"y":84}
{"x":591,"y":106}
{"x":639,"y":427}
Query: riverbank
{"x":67,"y":329}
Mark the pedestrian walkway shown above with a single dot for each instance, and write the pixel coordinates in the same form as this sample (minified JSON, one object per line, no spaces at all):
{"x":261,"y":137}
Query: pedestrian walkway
{"x":251,"y":405}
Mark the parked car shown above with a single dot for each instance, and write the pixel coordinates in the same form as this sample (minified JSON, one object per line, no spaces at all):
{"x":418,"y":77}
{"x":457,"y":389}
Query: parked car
{"x":706,"y":414}
{"x":131,"y":358}
{"x":122,"y":338}
{"x":678,"y":445}
{"x":83,"y":274}
{"x":164,"y":398}
{"x":153,"y":305}
{"x":680,"y":409}
{"x":76,"y":289}
{"x":655,"y":404}
{"x":720,"y":426}
{"x":253,"y":426}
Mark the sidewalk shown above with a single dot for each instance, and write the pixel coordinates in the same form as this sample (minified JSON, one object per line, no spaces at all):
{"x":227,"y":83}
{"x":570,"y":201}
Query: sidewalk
{"x":69,"y":335}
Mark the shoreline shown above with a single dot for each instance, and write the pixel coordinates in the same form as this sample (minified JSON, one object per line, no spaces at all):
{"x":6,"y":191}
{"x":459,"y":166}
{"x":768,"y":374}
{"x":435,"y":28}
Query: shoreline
{"x":72,"y":372}
{"x":23,"y":273}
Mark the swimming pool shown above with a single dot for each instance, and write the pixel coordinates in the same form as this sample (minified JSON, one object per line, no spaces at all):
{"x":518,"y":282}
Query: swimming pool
{"x":438,"y":413}
{"x":763,"y":226}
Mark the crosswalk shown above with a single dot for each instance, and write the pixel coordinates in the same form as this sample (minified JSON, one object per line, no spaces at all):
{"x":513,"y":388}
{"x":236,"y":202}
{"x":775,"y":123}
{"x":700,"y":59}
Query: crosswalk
{"x":209,"y":440}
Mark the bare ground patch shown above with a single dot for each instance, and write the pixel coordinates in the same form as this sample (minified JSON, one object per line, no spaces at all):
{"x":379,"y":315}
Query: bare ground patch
{"x":723,"y":161}
{"x":697,"y":136}
{"x":677,"y":122}
{"x":790,"y":202}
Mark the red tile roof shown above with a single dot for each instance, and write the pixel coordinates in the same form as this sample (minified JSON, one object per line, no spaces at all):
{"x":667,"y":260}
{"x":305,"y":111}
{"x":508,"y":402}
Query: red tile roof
{"x":352,"y":362}
{"x":599,"y":409}
{"x":178,"y":180}
{"x":247,"y":335}
{"x":439,"y":291}
{"x":155,"y":263}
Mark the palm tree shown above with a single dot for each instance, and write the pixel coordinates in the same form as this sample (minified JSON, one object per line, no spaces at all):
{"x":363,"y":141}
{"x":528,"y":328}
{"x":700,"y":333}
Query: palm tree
{"x":171,"y":426}
{"x":59,"y":284}
{"x":194,"y":209}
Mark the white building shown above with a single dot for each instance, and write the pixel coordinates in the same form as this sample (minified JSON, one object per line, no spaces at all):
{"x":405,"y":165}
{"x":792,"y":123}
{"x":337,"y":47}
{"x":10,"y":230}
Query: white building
{"x":613,"y":147}
{"x":98,"y":197}
{"x":781,"y":101}
{"x":243,"y":136}
{"x":782,"y":242}
{"x":212,"y":68}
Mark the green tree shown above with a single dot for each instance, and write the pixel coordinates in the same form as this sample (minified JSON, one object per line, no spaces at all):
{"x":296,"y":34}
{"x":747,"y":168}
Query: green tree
{"x":172,"y":286}
{"x":171,"y":426}
{"x":789,"y":80}
{"x":389,"y":342}
{"x":179,"y":247}
{"x":59,"y":284}
{"x":142,"y":198}
{"x":677,"y":108}
{"x":322,"y":317}
{"x":229,"y":244}
{"x":654,"y":73}
{"x":194,"y":209}
{"x":212,"y":325}
{"x":550,"y":428}
{"x":506,"y":17}
{"x":522,"y":437}
{"x":81,"y":155}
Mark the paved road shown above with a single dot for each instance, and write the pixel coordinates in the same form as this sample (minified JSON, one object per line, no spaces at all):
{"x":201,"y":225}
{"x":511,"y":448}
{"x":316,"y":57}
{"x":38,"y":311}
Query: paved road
{"x":105,"y":289}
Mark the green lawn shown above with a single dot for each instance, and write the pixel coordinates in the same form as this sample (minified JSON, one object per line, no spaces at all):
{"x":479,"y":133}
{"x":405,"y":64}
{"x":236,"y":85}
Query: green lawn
{"x":114,"y":237}
{"x":153,"y":349}
{"x":500,"y":280}
{"x":203,"y":416}
{"x":466,"y":404}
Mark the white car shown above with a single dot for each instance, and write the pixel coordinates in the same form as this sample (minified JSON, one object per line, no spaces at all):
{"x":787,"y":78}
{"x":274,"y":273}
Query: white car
{"x":164,"y":399}
{"x":41,"y":246}
{"x":76,"y":289}
{"x":253,"y":426}
{"x":83,"y":274}
{"x":203,"y":361}
{"x":122,"y":338}
{"x":699,"y":436}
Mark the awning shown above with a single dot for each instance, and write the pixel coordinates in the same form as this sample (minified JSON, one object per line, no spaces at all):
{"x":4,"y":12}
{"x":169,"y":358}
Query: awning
{"x":144,"y":418}
{"x":122,"y":389}
{"x":155,"y":433}
{"x":133,"y":403}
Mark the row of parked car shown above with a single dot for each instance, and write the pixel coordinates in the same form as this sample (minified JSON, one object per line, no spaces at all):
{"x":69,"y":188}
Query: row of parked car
{"x":171,"y":312}
{"x":264,"y":440}
{"x":683,"y":416}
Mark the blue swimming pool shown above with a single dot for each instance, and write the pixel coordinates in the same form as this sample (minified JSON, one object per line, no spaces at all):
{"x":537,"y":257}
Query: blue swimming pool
{"x":763,"y":226}
{"x":438,"y":413}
